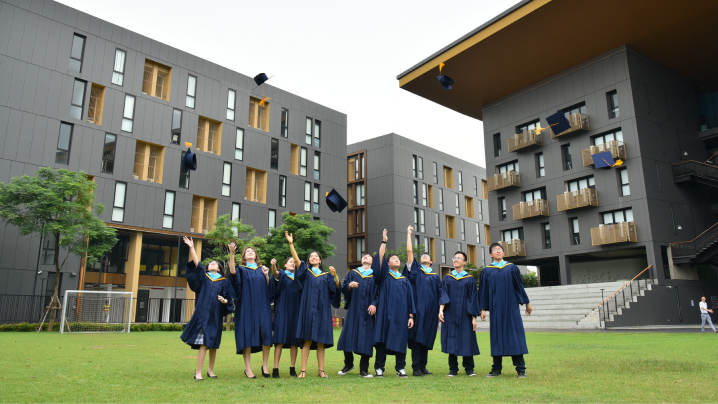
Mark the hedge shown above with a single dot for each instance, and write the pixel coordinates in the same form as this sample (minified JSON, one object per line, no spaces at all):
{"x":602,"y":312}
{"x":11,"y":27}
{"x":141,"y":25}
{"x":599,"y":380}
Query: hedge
{"x":27,"y":327}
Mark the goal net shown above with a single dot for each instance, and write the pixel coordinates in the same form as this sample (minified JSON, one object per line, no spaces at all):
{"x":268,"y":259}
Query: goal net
{"x":93,"y":311}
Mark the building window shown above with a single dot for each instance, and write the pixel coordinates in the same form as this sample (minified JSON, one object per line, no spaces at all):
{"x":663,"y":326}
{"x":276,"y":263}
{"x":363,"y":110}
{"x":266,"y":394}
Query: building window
{"x":168,"y":219}
{"x":255,"y":188}
{"x":528,"y":126}
{"x":204,"y":213}
{"x":128,"y":113}
{"x":510,"y":166}
{"x":108,"y":153}
{"x":512,"y":234}
{"x":360,"y":194}
{"x":441,"y":199}
{"x":118,"y":73}
{"x":236,"y":210}
{"x":239,"y":145}
{"x":437,"y":230}
{"x":48,"y":249}
{"x":422,"y":221}
{"x":149,"y":161}
{"x":540,"y":166}
{"x":315,"y":199}
{"x":456,"y":200}
{"x":361,"y":248}
{"x":480,"y":211}
{"x":356,"y":221}
{"x":307,"y":196}
{"x":118,"y":205}
{"x":462,"y":228}
{"x":282,"y":191}
{"x":623,"y":176}
{"x":355,"y":167}
{"x":448,"y":177}
{"x":176,"y":126}
{"x":417,"y":241}
{"x":607,"y":137}
{"x":415,"y":190}
{"x":575,"y":235}
{"x":227,"y":179}
{"x":78,"y":99}
{"x":535,"y":194}
{"x":478,"y":234}
{"x":64,"y":141}
{"x":209,"y":136}
{"x":580,"y":183}
{"x":612,"y":100}
{"x":77,"y":53}
{"x":476,"y":187}
{"x":303,"y":162}
{"x":450,"y":227}
{"x":497,"y":145}
{"x":156,"y":81}
{"x":436,"y":172}
{"x":618,"y":216}
{"x":424,"y":196}
{"x":575,"y":109}
{"x":308,"y":134}
{"x":317,"y":133}
{"x":272,"y":218}
{"x":443,"y":251}
{"x":461,"y":182}
{"x":420,"y":167}
{"x":316,"y":165}
{"x":184,"y":174}
{"x":97,"y":103}
{"x":191,"y":91}
{"x":546,"y":235}
{"x":416,"y":219}
{"x":274,"y":154}
{"x":566,"y":157}
{"x":469,"y":206}
{"x":502,"y":208}
{"x":485,"y":189}
{"x":413,"y":165}
{"x":285,"y":122}
{"x":231,"y":103}
{"x":483,"y":257}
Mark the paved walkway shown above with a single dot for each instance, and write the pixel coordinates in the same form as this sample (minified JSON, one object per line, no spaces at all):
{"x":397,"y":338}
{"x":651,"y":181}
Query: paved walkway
{"x":681,"y":328}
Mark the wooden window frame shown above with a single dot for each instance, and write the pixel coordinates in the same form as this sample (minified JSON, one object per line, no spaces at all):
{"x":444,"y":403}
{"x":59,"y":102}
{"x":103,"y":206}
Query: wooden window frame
{"x":151,"y":83}
{"x":469,"y":206}
{"x":451,"y":227}
{"x":255,"y":120}
{"x":294,"y":159}
{"x":141,"y":169}
{"x":204,"y":126}
{"x":448,"y":177}
{"x":250,"y":187}
{"x":204,"y":211}
{"x":97,"y":103}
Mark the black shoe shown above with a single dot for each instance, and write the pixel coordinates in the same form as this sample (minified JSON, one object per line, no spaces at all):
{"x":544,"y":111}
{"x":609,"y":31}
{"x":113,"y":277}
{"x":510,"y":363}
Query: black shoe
{"x":365,"y":375}
{"x":452,"y":373}
{"x":199,"y":380}
{"x":494,"y":373}
{"x":346,"y":369}
{"x":253,"y":377}
{"x":522,"y":375}
{"x":292,"y":372}
{"x":379,"y":373}
{"x":470,"y":372}
{"x":418,"y":373}
{"x":426,"y":371}
{"x":265,"y":374}
{"x":211,"y":377}
{"x":275,"y":373}
{"x":402,"y":373}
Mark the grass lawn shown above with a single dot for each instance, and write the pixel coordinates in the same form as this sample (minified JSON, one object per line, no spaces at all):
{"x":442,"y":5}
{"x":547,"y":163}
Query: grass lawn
{"x":158,"y":367}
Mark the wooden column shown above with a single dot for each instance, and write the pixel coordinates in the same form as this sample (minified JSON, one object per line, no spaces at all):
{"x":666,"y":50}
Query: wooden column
{"x":132,"y":268}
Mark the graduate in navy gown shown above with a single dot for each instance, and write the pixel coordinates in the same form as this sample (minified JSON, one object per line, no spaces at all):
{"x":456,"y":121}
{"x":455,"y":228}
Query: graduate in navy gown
{"x":394,"y":315}
{"x":426,"y":285}
{"x":314,"y":320}
{"x":501,"y":291}
{"x":253,"y":318}
{"x":360,"y":300}
{"x":458,"y":312}
{"x":286,"y":309}
{"x":212,"y":304}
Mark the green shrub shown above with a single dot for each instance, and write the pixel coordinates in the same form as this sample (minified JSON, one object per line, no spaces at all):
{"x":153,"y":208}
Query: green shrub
{"x":27,"y":327}
{"x":530,"y":280}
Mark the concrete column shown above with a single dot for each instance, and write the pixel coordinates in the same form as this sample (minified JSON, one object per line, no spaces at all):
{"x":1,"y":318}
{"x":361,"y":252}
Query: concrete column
{"x":190,"y":293}
{"x":132,"y":268}
{"x":565,"y":270}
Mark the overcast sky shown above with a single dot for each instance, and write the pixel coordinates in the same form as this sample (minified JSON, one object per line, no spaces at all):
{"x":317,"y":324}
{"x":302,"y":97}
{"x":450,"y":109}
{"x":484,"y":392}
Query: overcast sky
{"x":341,"y":54}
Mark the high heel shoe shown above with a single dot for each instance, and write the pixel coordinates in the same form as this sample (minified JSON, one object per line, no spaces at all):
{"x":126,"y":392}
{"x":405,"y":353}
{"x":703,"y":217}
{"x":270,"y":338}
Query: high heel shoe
{"x":199,"y":380}
{"x":210,"y":376}
{"x":292,"y":372}
{"x":275,"y":373}
{"x":323,"y":375}
{"x":302,"y":374}
{"x":253,"y":377}
{"x":265,"y":374}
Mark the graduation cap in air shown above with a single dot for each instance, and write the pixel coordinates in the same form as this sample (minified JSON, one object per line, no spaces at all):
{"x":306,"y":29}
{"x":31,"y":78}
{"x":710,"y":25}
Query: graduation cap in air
{"x":605,"y":160}
{"x":445,"y":80}
{"x":558,"y":122}
{"x":189,"y":159}
{"x":335,"y":201}
{"x":260,"y":79}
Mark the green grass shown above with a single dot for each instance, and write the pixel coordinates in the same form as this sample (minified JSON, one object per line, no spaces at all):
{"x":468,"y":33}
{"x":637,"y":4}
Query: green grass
{"x":158,"y":367}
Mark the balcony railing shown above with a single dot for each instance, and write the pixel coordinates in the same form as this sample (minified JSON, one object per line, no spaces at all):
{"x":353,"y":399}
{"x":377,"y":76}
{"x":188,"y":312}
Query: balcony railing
{"x":616,"y":147}
{"x":514,"y":248}
{"x":699,"y":245}
{"x":620,"y":232}
{"x":525,"y":210}
{"x":577,"y":199}
{"x":695,"y":171}
{"x":579,"y":123}
{"x":525,"y":140}
{"x":505,"y":180}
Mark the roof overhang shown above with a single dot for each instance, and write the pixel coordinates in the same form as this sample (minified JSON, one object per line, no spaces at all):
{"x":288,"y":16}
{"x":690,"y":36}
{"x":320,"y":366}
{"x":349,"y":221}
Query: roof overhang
{"x":537,"y":39}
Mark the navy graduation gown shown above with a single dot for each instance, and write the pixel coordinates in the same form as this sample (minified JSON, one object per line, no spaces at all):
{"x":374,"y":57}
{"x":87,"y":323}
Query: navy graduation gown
{"x":426,"y":292}
{"x":314,"y":320}
{"x":209,"y":312}
{"x":358,"y":332}
{"x":396,"y":302}
{"x":461,"y":300}
{"x":253,"y":318}
{"x":501,"y":291}
{"x":286,"y":308}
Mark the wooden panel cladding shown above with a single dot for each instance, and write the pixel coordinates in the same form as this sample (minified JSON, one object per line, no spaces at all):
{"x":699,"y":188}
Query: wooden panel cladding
{"x":204,"y":213}
{"x":97,"y":103}
{"x":578,"y":122}
{"x":577,"y":199}
{"x":487,"y":234}
{"x":472,"y":254}
{"x":157,"y":80}
{"x":255,"y":188}
{"x":620,"y":232}
{"x":431,"y":197}
{"x":209,"y":136}
{"x":294,"y":159}
{"x":484,"y":189}
{"x":469,"y":206}
{"x":450,"y":227}
{"x":258,"y":114}
{"x":149,"y":162}
{"x":448,"y":177}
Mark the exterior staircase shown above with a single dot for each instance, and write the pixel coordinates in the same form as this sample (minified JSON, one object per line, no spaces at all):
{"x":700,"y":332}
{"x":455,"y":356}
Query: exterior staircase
{"x":576,"y":306}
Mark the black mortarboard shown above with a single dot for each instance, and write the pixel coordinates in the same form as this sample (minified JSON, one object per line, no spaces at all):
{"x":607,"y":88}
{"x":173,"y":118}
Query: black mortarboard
{"x":335,"y":201}
{"x":260,"y":79}
{"x":603,"y":160}
{"x":446,"y":81}
{"x":558,"y":122}
{"x":190,"y":160}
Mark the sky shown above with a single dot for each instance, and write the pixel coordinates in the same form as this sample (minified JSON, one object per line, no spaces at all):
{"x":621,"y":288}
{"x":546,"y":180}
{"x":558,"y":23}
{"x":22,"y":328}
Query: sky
{"x":341,"y":54}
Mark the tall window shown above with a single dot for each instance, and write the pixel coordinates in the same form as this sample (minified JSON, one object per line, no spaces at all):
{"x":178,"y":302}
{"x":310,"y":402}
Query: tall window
{"x":239,"y":145}
{"x":612,"y":101}
{"x":236,"y":210}
{"x":540,"y":166}
{"x":420,"y":167}
{"x":118,"y":72}
{"x":227,"y":179}
{"x":566,"y":157}
{"x":64,"y":141}
{"x":623,"y":176}
{"x":437,"y":230}
{"x":497,"y":145}
{"x":78,"y":99}
{"x":204,"y":213}
{"x":317,"y":133}
{"x":307,"y":196}
{"x":149,"y":162}
{"x":546,"y":235}
{"x":456,"y":200}
{"x":461,"y":182}
{"x":274,"y":154}
{"x":575,"y":234}
{"x":97,"y":103}
{"x":77,"y":53}
{"x":255,"y":187}
{"x":450,"y":227}
{"x":231,"y":104}
{"x":476,"y":186}
{"x":360,"y":194}
{"x":413,"y":165}
{"x":462,"y":228}
{"x":415,"y":189}
{"x":441,"y":199}
{"x":315,"y":199}
{"x":48,"y":249}
{"x":108,"y":153}
{"x":448,"y":177}
{"x":355,"y":167}
{"x":184,"y":174}
{"x":618,"y":216}
{"x":282,"y":191}
{"x":176,"y":131}
{"x":308,"y":132}
{"x":483,"y":256}
{"x":316,"y":165}
{"x":422,"y":221}
{"x":436,"y":172}
{"x":128,"y":113}
{"x":424,"y":192}
{"x":272,"y":218}
{"x":416,"y":219}
{"x":191,"y":91}
{"x":502,"y":208}
{"x":209,"y":135}
{"x":285,"y":122}
{"x":118,"y":204}
{"x":156,"y":80}
{"x":443,"y":251}
{"x":303,"y":162}
{"x":480,"y":211}
{"x":478,"y":234}
{"x":168,"y":218}
{"x":360,"y":247}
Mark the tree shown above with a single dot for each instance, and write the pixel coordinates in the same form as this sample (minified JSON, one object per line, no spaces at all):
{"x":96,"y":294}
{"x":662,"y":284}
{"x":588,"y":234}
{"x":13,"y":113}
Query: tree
{"x":402,"y":253}
{"x":58,"y":204}
{"x":309,"y":235}
{"x":530,"y":279}
{"x":474,"y":271}
{"x":226,"y":231}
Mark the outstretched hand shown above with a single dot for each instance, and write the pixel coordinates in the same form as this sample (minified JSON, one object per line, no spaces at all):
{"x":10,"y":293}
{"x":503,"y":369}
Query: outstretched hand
{"x":384,"y":237}
{"x":189,"y":241}
{"x":333,"y":271}
{"x":273,"y":261}
{"x":232,"y":248}
{"x":289,"y":237}
{"x":410,"y":229}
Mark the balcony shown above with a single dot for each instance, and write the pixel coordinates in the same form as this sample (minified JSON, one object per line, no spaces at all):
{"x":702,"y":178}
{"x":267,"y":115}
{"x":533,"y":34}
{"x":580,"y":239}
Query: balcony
{"x":579,"y":124}
{"x":525,"y":210}
{"x":577,"y":199}
{"x":695,"y":172}
{"x":616,"y":147}
{"x":620,"y":232}
{"x":514,"y":248}
{"x":505,"y":180}
{"x":525,"y":141}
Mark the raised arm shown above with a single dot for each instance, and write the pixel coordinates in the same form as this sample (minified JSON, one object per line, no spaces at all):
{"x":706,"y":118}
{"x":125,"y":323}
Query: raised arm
{"x":192,"y":254}
{"x":274,"y":268}
{"x":382,"y":249}
{"x":290,"y":239}
{"x":232,"y":251}
{"x":409,"y":247}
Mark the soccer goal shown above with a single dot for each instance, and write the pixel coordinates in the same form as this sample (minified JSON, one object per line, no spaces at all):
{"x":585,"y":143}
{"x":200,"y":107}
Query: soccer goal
{"x":93,"y":311}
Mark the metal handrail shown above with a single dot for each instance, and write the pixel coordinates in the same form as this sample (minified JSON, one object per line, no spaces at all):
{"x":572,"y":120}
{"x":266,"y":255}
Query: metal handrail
{"x":622,"y":287}
{"x":690,"y":241}
{"x":604,"y":312}
{"x":692,"y":247}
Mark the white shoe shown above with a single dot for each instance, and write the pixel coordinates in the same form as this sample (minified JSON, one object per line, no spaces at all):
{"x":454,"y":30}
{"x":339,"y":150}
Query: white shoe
{"x":379,"y":373}
{"x":402,"y":373}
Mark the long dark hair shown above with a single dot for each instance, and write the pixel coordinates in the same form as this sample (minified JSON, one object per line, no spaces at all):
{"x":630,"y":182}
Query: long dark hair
{"x":321,"y":260}
{"x":220,"y":267}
